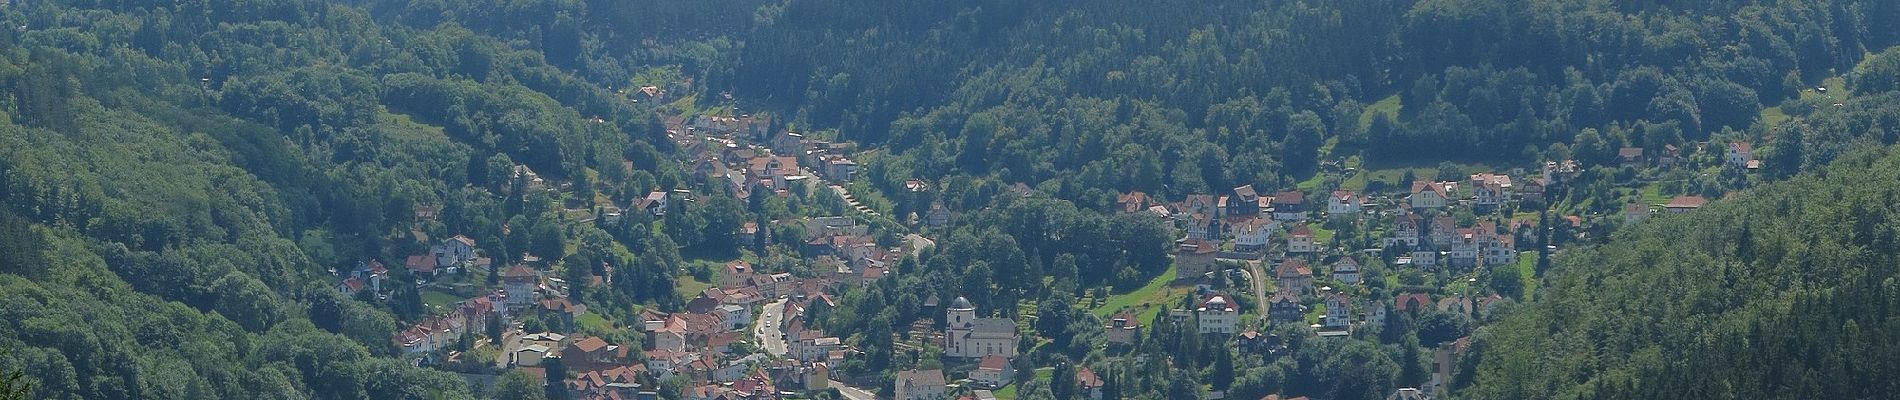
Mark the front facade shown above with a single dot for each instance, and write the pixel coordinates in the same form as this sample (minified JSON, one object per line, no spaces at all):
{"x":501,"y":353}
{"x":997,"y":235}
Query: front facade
{"x":970,"y":337}
{"x":1217,"y":314}
{"x":920,"y":385}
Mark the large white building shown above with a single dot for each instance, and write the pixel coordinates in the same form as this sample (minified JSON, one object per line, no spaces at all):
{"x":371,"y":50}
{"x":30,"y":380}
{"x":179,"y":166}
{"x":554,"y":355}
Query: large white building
{"x":966,"y":336}
{"x":1217,"y":314}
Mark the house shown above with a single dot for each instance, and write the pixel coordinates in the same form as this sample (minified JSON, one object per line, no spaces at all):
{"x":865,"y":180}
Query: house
{"x":1683,"y":204}
{"x":350,"y":286}
{"x":1634,"y":212}
{"x":654,"y":203}
{"x":421,"y":265}
{"x":1533,"y":190}
{"x":590,"y":353}
{"x":1338,"y":311}
{"x":1375,"y":312}
{"x":1408,"y":394}
{"x":788,"y":143}
{"x":993,"y":371}
{"x":1428,"y":195}
{"x":1490,"y":190}
{"x":1739,"y":154}
{"x":1132,"y":202}
{"x":967,"y":336}
{"x":1203,"y":227}
{"x":1630,"y":156}
{"x":1407,"y":228}
{"x":1218,"y":314}
{"x":1463,"y":249}
{"x":1122,"y":327}
{"x":1089,"y":383}
{"x":736,"y":275}
{"x":519,"y":283}
{"x":920,"y":385}
{"x":1293,"y":275}
{"x":452,"y":253}
{"x":1301,"y":240}
{"x":1412,"y":302}
{"x":938,"y":216}
{"x":1444,"y":231}
{"x":1194,"y":258}
{"x":1342,"y":204}
{"x":1443,"y":359}
{"x":1252,"y":234}
{"x":733,"y":316}
{"x":1199,"y":204}
{"x":1284,"y":307}
{"x":839,"y":168}
{"x":1245,"y":201}
{"x":1670,"y":156}
{"x":1346,"y":270}
{"x":1289,"y":206}
{"x":1561,"y":171}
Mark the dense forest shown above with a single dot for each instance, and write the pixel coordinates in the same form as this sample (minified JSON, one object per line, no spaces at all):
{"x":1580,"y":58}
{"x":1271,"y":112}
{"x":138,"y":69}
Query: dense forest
{"x":1778,"y":292}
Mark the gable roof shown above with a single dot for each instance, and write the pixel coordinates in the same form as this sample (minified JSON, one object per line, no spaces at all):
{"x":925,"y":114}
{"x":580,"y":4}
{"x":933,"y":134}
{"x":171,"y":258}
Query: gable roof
{"x":993,"y":362}
{"x":1293,"y":268}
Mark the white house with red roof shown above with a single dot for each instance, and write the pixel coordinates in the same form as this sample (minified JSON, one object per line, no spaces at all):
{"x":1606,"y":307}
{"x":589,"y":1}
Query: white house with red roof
{"x":1301,"y":240}
{"x":1344,"y":203}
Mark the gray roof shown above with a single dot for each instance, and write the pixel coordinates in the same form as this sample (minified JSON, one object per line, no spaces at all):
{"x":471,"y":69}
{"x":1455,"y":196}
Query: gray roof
{"x":961,"y":303}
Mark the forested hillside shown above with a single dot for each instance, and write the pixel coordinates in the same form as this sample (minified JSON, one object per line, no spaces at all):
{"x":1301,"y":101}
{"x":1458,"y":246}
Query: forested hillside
{"x":1784,"y":291}
{"x":1177,"y":98}
{"x":178,"y":177}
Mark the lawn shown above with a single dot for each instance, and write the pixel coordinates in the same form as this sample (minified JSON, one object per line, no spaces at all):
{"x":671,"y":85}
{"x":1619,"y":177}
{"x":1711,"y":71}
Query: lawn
{"x":1388,"y":106}
{"x":439,"y":300}
{"x":1527,"y":268}
{"x":690,"y":288}
{"x":593,"y":322}
{"x":1148,"y":300}
{"x":1009,"y":392}
{"x":1836,"y":90}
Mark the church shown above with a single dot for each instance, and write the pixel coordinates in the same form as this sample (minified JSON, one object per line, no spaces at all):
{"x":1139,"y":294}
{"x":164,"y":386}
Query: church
{"x":966,"y":336}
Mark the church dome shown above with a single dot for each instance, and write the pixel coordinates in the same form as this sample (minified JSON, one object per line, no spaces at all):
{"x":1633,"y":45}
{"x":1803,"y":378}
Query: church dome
{"x":961,"y":304}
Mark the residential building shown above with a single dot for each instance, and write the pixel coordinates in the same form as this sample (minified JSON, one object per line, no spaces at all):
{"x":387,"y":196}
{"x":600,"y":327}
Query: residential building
{"x":1338,"y":311}
{"x":1217,"y":314}
{"x":1683,"y":204}
{"x":1346,"y":270}
{"x":1252,"y":234}
{"x":1284,"y":307}
{"x":1427,"y":194}
{"x":1293,"y":275}
{"x":920,"y":385}
{"x":1301,"y":240}
{"x":1289,"y":206}
{"x":519,"y":282}
{"x":993,"y":371}
{"x":1739,"y":154}
{"x":1193,"y":259}
{"x":1343,"y":204}
{"x":1122,"y":327}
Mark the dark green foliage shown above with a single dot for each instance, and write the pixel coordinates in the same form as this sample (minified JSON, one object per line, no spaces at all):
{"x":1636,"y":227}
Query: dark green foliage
{"x":1777,"y":292}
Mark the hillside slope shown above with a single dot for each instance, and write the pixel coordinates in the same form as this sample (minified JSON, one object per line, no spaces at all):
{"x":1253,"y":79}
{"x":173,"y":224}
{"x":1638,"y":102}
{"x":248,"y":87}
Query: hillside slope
{"x":1784,"y":291}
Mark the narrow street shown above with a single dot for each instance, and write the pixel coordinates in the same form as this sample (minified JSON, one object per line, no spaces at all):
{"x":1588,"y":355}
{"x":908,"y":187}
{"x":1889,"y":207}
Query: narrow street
{"x":767,"y":328}
{"x":852,"y":393}
{"x":1258,"y":278}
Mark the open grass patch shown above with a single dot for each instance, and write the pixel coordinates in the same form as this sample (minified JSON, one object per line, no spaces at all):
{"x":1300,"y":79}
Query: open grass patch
{"x":438,"y":300}
{"x":1389,"y":105}
{"x":1148,"y":300}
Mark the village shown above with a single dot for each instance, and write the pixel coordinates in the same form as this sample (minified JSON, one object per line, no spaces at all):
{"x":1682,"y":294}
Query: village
{"x":1330,"y":260}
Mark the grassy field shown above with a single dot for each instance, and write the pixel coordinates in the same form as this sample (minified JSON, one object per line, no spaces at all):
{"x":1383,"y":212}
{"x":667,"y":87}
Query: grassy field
{"x":1836,"y":89}
{"x":1388,"y":106}
{"x":689,"y":287}
{"x":438,"y":300}
{"x":593,"y":322}
{"x":1149,"y":300}
{"x":1009,"y":392}
{"x":1527,"y":268}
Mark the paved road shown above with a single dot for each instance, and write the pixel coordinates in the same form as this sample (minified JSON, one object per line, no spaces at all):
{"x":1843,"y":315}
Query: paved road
{"x":767,"y":329}
{"x":1258,"y":278}
{"x":852,"y":393}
